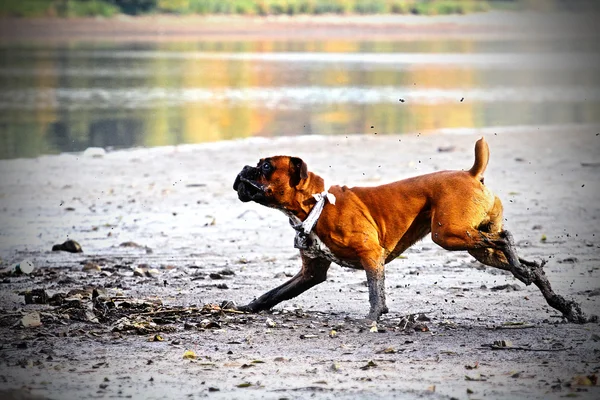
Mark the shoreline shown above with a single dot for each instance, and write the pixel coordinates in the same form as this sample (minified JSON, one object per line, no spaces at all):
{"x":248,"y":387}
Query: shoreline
{"x":489,"y":25}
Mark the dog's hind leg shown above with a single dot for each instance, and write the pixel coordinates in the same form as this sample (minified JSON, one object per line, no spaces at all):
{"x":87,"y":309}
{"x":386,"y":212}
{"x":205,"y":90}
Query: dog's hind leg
{"x":473,"y":234}
{"x":492,"y":245}
{"x":313,"y":272}
{"x":497,"y":258}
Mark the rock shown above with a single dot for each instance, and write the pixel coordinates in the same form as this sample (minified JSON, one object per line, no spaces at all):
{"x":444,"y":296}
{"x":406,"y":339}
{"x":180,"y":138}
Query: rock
{"x":153,"y":273}
{"x":130,"y":244}
{"x":70,"y":246}
{"x":35,"y":296}
{"x":270,"y":323}
{"x":31,"y":320}
{"x":91,"y":267}
{"x":226,"y":272}
{"x":94,"y":152}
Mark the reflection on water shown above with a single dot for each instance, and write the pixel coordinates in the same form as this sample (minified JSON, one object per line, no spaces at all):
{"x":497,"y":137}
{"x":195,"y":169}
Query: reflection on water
{"x":70,"y":97}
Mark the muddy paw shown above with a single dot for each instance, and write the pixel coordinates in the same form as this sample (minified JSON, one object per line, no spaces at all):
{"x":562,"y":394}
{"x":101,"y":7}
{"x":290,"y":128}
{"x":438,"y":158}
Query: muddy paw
{"x":229,"y":305}
{"x":376,"y":313}
{"x":250,"y":308}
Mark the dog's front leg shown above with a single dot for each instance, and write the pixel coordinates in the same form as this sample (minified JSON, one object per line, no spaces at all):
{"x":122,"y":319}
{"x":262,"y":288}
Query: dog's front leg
{"x":375,"y":270}
{"x":313,"y":272}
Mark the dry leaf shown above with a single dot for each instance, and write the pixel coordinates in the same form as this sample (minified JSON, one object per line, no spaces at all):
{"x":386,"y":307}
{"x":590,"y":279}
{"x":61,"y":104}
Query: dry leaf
{"x":369,"y":365}
{"x":373,"y":327}
{"x":189,"y":355}
{"x":476,"y":378}
{"x":388,"y":350}
{"x":582,"y":380}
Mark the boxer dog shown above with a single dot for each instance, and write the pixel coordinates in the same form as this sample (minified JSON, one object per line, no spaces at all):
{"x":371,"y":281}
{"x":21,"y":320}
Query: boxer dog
{"x":367,"y":227}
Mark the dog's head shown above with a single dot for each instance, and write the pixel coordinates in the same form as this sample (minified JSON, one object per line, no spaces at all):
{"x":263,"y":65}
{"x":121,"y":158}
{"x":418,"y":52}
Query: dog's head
{"x":273,"y":182}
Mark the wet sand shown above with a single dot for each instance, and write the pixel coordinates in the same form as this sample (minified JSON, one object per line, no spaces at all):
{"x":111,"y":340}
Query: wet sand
{"x":177,"y":204}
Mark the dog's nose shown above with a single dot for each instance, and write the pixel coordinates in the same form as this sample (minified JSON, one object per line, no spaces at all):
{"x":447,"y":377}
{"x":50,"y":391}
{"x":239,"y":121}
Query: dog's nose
{"x":246,"y":173}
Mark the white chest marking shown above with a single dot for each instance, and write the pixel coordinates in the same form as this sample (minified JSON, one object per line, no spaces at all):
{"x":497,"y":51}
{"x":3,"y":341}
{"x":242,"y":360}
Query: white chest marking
{"x":318,"y":249}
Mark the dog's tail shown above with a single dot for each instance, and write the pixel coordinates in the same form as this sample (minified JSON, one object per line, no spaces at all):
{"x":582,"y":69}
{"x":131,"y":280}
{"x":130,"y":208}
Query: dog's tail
{"x":482,"y":156}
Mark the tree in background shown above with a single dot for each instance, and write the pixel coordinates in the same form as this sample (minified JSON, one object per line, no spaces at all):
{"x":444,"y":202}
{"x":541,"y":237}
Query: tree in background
{"x":107,"y":8}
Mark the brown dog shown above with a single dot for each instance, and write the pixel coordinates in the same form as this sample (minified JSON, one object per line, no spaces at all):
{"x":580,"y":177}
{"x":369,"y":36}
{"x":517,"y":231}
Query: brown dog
{"x":368,"y":227}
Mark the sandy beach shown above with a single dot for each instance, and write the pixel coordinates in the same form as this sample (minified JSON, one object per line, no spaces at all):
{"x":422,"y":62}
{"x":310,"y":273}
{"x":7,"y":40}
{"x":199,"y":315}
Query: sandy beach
{"x":177,"y":206}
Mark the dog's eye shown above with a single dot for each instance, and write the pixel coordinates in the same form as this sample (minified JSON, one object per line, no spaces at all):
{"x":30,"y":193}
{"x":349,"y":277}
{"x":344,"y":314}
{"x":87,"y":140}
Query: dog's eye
{"x":266,"y":167}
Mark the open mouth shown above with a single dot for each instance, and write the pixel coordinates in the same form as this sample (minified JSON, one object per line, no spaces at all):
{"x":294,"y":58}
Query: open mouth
{"x":248,"y":190}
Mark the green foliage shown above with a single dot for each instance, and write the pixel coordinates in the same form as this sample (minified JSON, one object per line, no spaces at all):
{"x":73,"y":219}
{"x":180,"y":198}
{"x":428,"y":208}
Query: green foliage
{"x":443,"y":7}
{"x":107,"y":8}
{"x":173,"y":6}
{"x":133,"y":7}
{"x":89,"y":8}
{"x":20,"y":8}
{"x":370,"y":6}
{"x":62,"y":8}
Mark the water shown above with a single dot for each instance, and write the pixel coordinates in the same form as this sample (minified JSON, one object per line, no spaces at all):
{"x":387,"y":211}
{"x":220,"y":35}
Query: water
{"x":67,"y":97}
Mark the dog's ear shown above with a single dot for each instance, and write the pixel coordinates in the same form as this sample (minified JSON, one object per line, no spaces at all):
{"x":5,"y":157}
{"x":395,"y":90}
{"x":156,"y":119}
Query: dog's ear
{"x":298,"y":171}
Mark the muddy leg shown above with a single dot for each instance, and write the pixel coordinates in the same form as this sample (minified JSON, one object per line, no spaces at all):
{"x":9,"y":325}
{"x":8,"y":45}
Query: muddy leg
{"x":535,"y":274}
{"x":376,"y":283}
{"x":505,"y":244}
{"x":314,"y":271}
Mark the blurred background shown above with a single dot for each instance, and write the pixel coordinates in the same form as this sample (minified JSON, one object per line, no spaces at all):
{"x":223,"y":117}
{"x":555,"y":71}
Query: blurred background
{"x":128,"y":73}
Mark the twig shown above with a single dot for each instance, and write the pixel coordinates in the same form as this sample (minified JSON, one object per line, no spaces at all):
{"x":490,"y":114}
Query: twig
{"x":315,"y":388}
{"x":185,"y":310}
{"x":493,"y":328}
{"x":171,"y":311}
{"x":492,"y":347}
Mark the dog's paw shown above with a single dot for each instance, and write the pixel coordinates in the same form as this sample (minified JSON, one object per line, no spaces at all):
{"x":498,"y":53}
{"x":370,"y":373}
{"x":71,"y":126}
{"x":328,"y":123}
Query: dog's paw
{"x":246,"y":308}
{"x":228,"y":305}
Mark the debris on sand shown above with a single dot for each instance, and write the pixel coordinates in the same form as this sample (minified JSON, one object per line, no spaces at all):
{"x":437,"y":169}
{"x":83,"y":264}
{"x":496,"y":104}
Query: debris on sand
{"x":369,"y":365}
{"x":189,"y":355}
{"x":91,"y":267}
{"x":31,"y":320}
{"x":414,"y":322}
{"x":585,"y":380}
{"x":24,"y":267}
{"x":508,"y":287}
